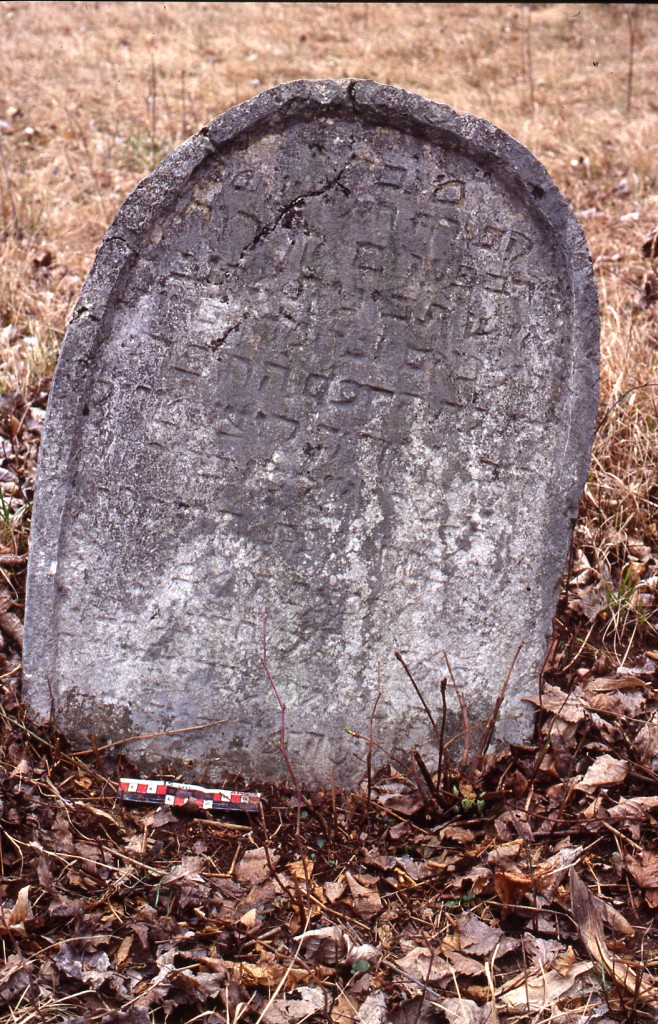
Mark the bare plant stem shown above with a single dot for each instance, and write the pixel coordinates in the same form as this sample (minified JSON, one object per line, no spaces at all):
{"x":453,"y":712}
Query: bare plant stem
{"x":427,"y":778}
{"x":282,"y":740}
{"x":268,"y":857}
{"x":528,"y":58}
{"x":625,"y":394}
{"x":154,"y":86}
{"x":444,"y":714}
{"x":148,"y":736}
{"x":370,"y":744}
{"x":631,"y":14}
{"x":389,"y":756}
{"x":491,"y":723}
{"x":10,"y":193}
{"x":183,"y":110}
{"x":464,"y":710}
{"x":420,"y":696}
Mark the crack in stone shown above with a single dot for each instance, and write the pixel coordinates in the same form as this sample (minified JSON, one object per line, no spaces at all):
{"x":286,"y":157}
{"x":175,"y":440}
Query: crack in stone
{"x":267,"y":229}
{"x":351,"y":90}
{"x":220,"y":339}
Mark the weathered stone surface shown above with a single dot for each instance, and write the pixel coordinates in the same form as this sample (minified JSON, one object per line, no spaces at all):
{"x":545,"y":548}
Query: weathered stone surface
{"x":337,"y":358}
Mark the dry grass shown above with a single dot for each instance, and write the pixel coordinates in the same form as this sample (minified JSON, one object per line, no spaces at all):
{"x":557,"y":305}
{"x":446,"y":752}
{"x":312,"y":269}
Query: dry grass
{"x":92,"y":95}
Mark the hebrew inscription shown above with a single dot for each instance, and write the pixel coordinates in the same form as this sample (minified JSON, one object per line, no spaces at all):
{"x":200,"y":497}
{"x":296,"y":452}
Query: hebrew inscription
{"x":336,"y":363}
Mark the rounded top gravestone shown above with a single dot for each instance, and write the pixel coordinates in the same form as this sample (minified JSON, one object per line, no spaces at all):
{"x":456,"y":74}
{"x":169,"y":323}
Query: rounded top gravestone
{"x":336,"y":362}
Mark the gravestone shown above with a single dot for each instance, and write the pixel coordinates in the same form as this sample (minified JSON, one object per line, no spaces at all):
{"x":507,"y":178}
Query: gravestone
{"x":336,"y":362}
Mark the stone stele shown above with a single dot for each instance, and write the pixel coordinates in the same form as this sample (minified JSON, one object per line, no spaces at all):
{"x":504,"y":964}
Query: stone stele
{"x":336,"y":362}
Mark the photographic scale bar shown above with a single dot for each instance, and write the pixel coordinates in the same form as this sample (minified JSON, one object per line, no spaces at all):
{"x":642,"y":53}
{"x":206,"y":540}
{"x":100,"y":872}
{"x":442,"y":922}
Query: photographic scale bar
{"x":177,"y":794}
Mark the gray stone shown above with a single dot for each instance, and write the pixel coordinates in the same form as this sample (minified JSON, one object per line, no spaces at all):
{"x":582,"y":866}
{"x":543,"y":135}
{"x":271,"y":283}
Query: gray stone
{"x":337,"y":359}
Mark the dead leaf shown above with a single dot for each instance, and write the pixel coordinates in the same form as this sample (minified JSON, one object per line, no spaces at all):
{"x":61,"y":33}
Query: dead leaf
{"x":465,"y":964}
{"x":374,"y":859}
{"x":64,"y":906}
{"x":630,"y":702}
{"x":208,"y":986}
{"x":587,"y":916}
{"x":306,"y":1001}
{"x":325,"y":945}
{"x":250,"y":919}
{"x":643,"y":669}
{"x":477,"y":938}
{"x":21,"y":910}
{"x":335,"y":890}
{"x":511,"y":887}
{"x":569,"y":706}
{"x":268,"y":974}
{"x":465,"y":1011}
{"x":344,"y":1009}
{"x":457,"y":834}
{"x":613,"y":918}
{"x":644,"y":870}
{"x":185,"y":873}
{"x":214,"y":964}
{"x":479,"y":878}
{"x":550,"y":873}
{"x":407,"y":804}
{"x":589,"y":599}
{"x":424,"y":965}
{"x":301,"y":869}
{"x":645,"y":745}
{"x":373,"y":1009}
{"x":76,"y":963}
{"x":253,"y":866}
{"x":541,"y":992}
{"x":122,"y":952}
{"x":504,"y":853}
{"x":14,"y":978}
{"x":541,"y":951}
{"x":417,"y":1010}
{"x":365,"y":953}
{"x":630,"y":813}
{"x":367,"y":902}
{"x":603,"y":771}
{"x":133,"y":1015}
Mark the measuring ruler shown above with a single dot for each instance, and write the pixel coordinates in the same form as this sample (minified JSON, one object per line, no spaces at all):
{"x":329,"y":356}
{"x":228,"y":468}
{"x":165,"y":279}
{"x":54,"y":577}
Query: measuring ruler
{"x":177,"y":794}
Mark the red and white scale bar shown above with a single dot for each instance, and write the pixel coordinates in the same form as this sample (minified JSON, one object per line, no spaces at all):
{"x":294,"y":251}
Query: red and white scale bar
{"x":176,"y":794}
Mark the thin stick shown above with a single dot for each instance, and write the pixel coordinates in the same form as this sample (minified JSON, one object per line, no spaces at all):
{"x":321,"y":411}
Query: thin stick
{"x":464,"y":710}
{"x":282,"y":740}
{"x":183,"y":113}
{"x":489,"y":728}
{"x":148,"y":736}
{"x":528,"y":57}
{"x":417,"y":762}
{"x":153,"y":100}
{"x":420,"y":697}
{"x":270,"y":862}
{"x":624,"y":394}
{"x":285,"y":977}
{"x":370,"y":744}
{"x":390,"y":757}
{"x":631,"y":15}
{"x":444,"y":713}
{"x":13,"y":561}
{"x":10,"y":194}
